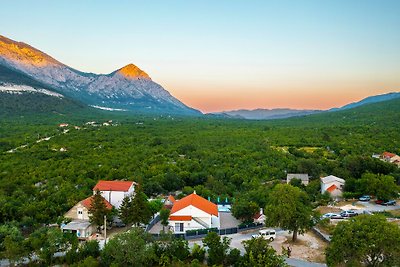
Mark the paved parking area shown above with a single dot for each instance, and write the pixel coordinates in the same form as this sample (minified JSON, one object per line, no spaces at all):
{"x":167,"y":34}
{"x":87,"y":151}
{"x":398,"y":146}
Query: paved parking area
{"x":227,"y":220}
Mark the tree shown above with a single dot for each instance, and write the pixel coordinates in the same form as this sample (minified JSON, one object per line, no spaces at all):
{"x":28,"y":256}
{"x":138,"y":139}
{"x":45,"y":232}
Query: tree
{"x":244,"y":210}
{"x":140,"y":208}
{"x":288,"y":207}
{"x":217,"y":248}
{"x":125,"y":211}
{"x":98,"y":210}
{"x":382,"y":186}
{"x":169,"y":249}
{"x":164,"y":216}
{"x":259,"y":254}
{"x":155,"y":206}
{"x":132,"y":248}
{"x":14,"y":249}
{"x":366,"y":240}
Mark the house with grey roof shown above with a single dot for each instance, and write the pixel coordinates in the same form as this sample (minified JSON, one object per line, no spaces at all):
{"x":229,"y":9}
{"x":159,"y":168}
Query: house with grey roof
{"x":301,"y":176}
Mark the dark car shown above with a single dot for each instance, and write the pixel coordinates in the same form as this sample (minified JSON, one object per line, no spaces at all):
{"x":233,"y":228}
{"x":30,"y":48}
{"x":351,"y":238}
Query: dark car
{"x":389,"y":203}
{"x":365,"y":198}
{"x":348,"y":213}
{"x":379,"y":201}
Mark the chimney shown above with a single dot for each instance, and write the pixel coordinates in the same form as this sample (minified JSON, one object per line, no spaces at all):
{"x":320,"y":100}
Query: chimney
{"x":261,"y":211}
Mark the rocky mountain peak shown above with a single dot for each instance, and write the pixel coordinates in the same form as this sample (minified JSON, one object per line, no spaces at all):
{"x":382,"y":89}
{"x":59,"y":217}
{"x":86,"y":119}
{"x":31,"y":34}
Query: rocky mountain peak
{"x":131,"y":71}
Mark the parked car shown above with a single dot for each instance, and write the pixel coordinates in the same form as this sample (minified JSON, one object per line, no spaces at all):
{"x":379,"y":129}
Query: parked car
{"x":365,"y":198}
{"x":379,"y":201}
{"x":389,"y":203}
{"x":269,"y":234}
{"x":348,"y":213}
{"x":331,"y":216}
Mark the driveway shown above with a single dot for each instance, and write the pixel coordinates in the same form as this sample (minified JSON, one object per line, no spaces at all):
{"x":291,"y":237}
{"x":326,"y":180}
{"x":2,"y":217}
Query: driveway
{"x":371,"y":206}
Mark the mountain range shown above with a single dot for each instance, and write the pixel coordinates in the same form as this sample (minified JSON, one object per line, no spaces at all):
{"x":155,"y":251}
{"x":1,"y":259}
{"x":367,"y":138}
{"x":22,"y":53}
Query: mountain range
{"x":31,"y":80}
{"x":128,"y":88}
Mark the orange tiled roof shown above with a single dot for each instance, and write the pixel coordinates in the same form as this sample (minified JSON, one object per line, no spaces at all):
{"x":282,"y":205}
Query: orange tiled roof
{"x":180,"y":218}
{"x":331,"y":188}
{"x":171,"y":198}
{"x":113,"y":185}
{"x":388,"y":155}
{"x":88,"y":202}
{"x":196,"y":201}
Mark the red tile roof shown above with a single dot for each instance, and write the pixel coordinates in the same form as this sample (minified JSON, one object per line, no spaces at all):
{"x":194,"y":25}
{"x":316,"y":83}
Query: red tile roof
{"x":196,"y":201}
{"x":331,"y":188}
{"x":171,"y":198}
{"x":388,"y":155}
{"x":88,"y":202}
{"x":113,"y":185}
{"x":180,"y":218}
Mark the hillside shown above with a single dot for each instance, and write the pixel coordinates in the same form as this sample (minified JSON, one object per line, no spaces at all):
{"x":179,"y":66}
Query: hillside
{"x":385,"y":113}
{"x":22,"y":95}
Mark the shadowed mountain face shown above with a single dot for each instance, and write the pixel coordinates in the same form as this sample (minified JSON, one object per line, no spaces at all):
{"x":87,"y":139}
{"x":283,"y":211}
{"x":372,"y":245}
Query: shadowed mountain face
{"x":128,"y":88}
{"x":20,"y":95}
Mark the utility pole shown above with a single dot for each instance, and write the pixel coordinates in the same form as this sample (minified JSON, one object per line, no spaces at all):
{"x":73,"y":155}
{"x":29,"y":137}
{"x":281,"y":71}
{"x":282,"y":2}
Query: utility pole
{"x":105,"y":230}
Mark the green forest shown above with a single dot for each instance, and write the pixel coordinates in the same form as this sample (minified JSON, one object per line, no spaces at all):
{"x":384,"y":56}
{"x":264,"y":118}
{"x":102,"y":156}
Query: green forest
{"x":42,"y":179}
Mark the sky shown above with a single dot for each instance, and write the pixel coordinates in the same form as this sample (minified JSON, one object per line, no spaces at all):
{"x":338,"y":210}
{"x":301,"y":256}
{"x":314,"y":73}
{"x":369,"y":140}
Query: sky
{"x":225,"y":54}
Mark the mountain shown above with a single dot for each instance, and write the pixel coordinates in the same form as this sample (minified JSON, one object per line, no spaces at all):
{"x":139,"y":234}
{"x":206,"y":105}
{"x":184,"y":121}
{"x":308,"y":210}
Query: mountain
{"x":264,"y":114}
{"x":20,"y":94}
{"x":128,"y":88}
{"x":369,"y":100}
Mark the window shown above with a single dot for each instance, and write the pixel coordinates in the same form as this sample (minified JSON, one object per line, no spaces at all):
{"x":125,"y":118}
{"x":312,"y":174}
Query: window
{"x":80,"y":212}
{"x":178,"y":227}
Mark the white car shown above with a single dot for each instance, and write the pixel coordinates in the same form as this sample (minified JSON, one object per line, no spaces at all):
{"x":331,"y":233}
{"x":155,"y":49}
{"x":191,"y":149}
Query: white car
{"x":269,"y":234}
{"x":331,"y":216}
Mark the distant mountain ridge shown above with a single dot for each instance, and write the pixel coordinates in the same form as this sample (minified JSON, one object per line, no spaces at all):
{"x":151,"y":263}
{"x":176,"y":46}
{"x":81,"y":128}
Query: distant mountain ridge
{"x":282,"y":113}
{"x":128,"y":88}
{"x":370,"y":100}
{"x":265,"y":114}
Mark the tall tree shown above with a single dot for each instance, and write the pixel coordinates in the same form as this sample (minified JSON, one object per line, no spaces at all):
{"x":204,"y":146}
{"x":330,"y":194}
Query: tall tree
{"x":98,"y":210}
{"x":140,"y":208}
{"x":244,"y":209}
{"x":164,"y":216}
{"x":365,"y":241}
{"x":125,"y":209}
{"x":288,"y":207}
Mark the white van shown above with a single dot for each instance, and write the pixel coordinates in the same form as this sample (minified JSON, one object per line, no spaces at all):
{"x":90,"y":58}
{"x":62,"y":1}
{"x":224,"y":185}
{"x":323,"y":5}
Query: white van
{"x":269,"y":234}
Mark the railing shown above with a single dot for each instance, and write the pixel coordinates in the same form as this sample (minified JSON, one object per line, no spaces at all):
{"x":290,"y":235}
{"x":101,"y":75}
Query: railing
{"x":153,"y":222}
{"x":192,"y":234}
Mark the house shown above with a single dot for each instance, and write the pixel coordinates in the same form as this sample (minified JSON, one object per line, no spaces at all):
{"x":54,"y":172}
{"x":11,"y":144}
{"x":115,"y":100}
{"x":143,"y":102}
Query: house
{"x":193,"y":212}
{"x":259,"y":217}
{"x":333,"y":185}
{"x":391,"y":157}
{"x":62,"y":125}
{"x":169,"y":202}
{"x":301,"y":176}
{"x":79,"y":214}
{"x":115,"y":191}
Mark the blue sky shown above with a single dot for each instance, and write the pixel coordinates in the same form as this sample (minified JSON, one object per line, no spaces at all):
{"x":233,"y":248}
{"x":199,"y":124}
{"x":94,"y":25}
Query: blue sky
{"x":225,"y":54}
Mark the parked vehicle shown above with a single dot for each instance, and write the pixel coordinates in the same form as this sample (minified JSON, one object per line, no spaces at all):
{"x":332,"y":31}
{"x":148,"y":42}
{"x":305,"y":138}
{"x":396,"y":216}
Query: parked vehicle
{"x":269,"y":234}
{"x":365,"y":198}
{"x":331,"y":216}
{"x":389,"y":203}
{"x":379,"y":201}
{"x":348,"y":213}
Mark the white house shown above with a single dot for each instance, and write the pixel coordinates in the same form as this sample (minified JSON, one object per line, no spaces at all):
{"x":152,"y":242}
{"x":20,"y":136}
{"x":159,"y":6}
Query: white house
{"x":115,"y":191}
{"x":193,"y":212}
{"x":332,"y":184}
{"x":80,"y":218}
{"x":301,"y":176}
